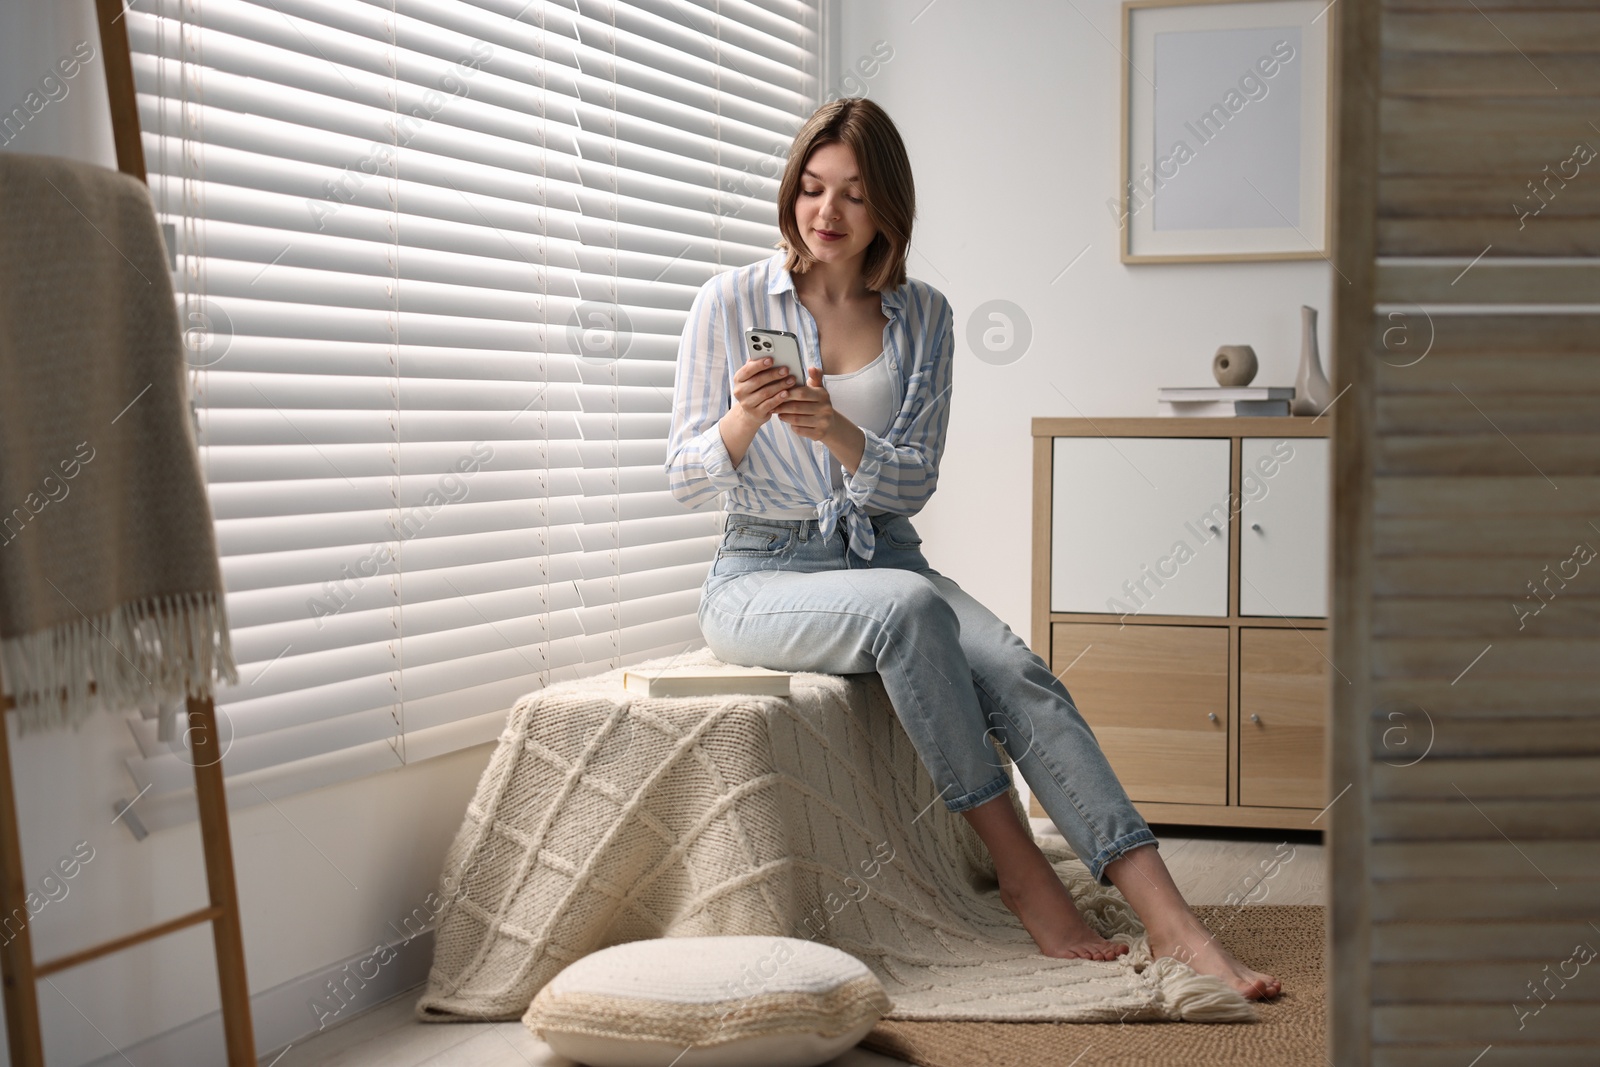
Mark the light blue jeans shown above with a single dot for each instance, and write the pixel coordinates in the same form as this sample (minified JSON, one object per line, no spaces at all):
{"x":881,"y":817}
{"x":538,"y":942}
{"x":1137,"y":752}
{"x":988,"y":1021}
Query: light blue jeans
{"x":781,"y":596}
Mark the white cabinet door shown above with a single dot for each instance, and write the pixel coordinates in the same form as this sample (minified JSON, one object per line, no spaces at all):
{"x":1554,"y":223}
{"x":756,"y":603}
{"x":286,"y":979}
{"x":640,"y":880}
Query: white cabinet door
{"x":1139,"y":525}
{"x":1283,"y":539}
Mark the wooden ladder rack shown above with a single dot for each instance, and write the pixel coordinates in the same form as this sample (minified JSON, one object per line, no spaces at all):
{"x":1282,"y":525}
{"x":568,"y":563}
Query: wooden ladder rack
{"x":21,"y":973}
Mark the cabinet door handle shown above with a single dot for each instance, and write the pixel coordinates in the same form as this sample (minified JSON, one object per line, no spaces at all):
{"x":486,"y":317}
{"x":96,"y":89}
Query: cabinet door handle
{"x":1213,"y":528}
{"x":1212,"y":716}
{"x":1256,"y":526}
{"x":1255,"y":718}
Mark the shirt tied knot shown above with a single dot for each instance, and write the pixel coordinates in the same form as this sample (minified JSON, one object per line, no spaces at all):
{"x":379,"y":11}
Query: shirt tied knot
{"x":857,"y":524}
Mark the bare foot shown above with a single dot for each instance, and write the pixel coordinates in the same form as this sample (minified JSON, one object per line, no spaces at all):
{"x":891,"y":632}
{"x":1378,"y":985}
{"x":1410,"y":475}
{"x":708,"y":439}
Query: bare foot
{"x":1052,"y":919}
{"x":1195,"y":945}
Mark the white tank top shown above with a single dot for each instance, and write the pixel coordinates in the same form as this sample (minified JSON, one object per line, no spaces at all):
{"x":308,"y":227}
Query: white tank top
{"x":866,"y":398}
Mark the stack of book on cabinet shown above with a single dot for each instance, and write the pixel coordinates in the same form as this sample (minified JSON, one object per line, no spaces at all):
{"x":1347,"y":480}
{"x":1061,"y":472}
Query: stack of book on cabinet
{"x":1206,"y":401}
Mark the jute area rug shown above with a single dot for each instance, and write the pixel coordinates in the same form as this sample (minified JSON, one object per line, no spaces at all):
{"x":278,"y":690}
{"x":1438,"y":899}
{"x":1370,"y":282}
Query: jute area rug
{"x":1283,"y":940}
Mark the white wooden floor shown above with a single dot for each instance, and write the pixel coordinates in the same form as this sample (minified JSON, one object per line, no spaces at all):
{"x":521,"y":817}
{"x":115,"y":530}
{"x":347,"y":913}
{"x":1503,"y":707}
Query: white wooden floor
{"x":1263,"y":866}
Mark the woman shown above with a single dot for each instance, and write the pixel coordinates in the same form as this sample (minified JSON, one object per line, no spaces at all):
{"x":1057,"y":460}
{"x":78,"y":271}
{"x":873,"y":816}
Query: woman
{"x":820,"y":568}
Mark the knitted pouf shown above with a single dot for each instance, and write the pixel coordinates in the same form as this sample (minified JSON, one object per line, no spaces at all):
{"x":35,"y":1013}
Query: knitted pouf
{"x":605,"y":816}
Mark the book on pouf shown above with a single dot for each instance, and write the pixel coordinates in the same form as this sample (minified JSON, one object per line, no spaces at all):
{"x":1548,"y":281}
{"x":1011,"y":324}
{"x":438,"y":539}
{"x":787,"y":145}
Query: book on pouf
{"x":706,"y":681}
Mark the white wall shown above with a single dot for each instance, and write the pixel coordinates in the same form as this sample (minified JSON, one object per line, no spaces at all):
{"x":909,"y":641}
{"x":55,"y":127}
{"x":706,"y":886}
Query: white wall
{"x":73,"y":119}
{"x":321,"y":876}
{"x":1010,"y":112}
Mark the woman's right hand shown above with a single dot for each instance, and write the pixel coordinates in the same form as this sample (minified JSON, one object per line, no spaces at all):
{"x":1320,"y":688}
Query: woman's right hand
{"x":759,"y":387}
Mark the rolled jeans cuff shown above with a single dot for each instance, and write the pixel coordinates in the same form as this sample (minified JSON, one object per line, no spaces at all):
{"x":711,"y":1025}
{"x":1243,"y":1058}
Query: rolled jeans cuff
{"x":1121,"y":846}
{"x":978,"y":796}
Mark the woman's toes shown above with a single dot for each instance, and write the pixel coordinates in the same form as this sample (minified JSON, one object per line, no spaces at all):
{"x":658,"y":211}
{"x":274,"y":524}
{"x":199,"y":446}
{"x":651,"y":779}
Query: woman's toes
{"x":1086,"y":946}
{"x":1201,"y":952}
{"x":1261,"y":986}
{"x":1053,"y":920}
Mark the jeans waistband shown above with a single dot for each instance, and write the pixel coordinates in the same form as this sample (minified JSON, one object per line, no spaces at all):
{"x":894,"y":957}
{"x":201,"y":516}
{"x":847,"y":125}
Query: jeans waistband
{"x":754,"y":516}
{"x":731,"y":517}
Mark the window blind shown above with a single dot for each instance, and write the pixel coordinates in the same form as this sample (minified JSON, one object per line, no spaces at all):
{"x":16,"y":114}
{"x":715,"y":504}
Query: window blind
{"x":433,"y":258}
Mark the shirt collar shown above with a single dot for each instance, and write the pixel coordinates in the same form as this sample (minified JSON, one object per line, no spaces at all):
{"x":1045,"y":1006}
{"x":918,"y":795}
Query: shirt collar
{"x":780,"y":280}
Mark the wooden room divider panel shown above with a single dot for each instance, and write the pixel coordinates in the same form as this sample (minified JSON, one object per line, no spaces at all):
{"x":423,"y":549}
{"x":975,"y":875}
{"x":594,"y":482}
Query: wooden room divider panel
{"x":1465,"y":747}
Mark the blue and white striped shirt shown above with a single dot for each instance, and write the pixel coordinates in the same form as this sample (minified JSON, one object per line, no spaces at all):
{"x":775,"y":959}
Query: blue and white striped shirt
{"x":781,"y":469}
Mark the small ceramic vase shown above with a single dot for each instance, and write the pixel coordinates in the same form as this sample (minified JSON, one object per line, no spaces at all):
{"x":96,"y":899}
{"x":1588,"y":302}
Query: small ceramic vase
{"x":1234,"y":365}
{"x":1312,"y":393}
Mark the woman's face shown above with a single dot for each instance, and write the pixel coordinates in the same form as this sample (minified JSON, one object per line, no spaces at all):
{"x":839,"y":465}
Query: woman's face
{"x":830,"y":212}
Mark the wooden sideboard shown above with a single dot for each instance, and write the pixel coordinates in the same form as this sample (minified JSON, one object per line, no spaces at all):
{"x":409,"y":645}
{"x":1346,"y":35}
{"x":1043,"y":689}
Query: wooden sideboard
{"x":1180,"y":577}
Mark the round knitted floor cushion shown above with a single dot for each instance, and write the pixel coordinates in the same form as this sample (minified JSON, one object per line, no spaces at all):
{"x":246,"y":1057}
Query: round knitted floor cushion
{"x":724,"y":1001}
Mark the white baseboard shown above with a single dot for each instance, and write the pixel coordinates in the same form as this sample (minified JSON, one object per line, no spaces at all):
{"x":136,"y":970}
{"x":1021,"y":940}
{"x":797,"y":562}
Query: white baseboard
{"x":286,"y":1014}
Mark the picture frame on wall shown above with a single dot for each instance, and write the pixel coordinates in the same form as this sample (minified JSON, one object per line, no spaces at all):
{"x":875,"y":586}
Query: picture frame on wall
{"x":1226,"y":120}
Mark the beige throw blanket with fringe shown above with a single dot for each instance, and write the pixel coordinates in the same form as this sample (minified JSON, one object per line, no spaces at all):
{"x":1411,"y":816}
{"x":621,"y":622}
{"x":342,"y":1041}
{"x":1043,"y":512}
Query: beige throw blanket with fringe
{"x":606,"y":817}
{"x":108,"y":558}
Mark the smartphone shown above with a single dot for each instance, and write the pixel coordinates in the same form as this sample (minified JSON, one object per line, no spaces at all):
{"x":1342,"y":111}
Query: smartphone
{"x":782,"y":346}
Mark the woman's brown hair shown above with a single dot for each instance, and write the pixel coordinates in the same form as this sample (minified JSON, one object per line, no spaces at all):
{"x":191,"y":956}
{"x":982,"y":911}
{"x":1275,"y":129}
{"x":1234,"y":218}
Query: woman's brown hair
{"x":886,"y":187}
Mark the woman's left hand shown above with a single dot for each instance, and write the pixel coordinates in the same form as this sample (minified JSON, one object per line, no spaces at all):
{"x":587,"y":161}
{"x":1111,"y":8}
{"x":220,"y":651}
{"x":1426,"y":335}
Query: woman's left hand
{"x":809,"y":410}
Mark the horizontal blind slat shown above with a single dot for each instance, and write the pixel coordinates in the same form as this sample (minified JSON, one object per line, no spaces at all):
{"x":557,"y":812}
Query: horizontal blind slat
{"x":432,"y":382}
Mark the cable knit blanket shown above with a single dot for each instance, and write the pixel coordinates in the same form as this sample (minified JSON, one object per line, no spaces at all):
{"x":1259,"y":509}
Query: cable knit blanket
{"x":606,"y":817}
